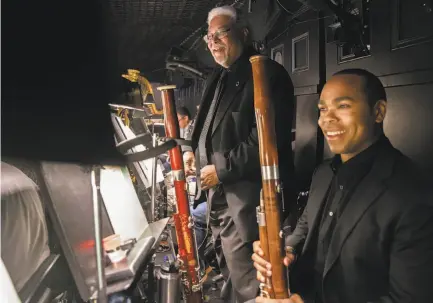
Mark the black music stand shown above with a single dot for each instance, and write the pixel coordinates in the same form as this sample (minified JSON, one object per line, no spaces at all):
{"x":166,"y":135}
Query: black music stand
{"x":70,"y":207}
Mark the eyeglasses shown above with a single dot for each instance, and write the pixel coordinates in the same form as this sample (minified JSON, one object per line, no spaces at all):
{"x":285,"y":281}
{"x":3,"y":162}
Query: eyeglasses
{"x":219,"y":34}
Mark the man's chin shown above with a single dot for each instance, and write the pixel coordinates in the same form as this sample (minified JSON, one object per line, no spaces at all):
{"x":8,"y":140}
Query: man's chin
{"x":221,"y":61}
{"x":336,"y":150}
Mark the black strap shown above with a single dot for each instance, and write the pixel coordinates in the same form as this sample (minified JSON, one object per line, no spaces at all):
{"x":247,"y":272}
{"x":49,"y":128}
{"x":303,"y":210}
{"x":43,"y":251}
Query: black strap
{"x":152,"y":152}
{"x":144,"y":139}
{"x":208,"y":122}
{"x":182,"y":142}
{"x":198,"y":190}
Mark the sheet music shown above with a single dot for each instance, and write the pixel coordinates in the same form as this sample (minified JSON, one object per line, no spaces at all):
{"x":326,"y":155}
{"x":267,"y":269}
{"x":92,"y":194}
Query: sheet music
{"x":121,"y":202}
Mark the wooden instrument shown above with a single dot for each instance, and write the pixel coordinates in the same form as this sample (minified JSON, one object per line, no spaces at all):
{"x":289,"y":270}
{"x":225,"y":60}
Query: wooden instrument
{"x":190,"y":268}
{"x":269,"y":211}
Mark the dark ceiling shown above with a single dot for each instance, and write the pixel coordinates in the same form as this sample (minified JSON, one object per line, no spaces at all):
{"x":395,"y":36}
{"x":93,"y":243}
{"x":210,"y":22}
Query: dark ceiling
{"x":58,"y":70}
{"x":147,"y":29}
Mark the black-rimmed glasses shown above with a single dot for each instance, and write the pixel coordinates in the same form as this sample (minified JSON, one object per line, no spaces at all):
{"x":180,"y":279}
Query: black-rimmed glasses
{"x":218,"y":35}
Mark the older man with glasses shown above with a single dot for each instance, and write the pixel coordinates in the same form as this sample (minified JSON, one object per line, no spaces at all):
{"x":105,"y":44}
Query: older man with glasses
{"x":225,"y":146}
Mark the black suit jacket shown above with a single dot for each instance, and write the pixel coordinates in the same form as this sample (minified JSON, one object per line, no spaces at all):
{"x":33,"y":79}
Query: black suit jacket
{"x":235,"y":151}
{"x":382,"y":246}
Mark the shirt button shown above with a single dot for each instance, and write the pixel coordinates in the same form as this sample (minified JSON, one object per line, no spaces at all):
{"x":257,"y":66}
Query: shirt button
{"x":341,"y":187}
{"x":331,"y":213}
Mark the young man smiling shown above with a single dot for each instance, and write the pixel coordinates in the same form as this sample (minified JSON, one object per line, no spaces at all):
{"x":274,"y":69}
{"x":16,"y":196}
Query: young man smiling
{"x":366,"y":234}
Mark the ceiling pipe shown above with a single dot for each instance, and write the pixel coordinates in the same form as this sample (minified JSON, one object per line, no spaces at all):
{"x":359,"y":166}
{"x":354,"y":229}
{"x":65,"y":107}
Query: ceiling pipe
{"x":171,"y":65}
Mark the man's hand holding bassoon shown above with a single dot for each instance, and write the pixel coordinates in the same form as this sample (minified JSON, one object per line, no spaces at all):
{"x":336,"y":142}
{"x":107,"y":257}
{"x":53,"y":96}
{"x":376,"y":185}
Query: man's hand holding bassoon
{"x":264,"y":268}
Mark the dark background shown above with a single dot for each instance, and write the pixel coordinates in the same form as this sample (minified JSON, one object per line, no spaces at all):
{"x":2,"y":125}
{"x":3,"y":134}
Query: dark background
{"x":61,"y":66}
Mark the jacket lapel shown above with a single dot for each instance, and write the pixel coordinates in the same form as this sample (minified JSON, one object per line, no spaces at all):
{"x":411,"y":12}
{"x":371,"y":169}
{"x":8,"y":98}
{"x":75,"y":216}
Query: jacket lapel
{"x":370,"y":188}
{"x":232,"y":89}
{"x":317,"y":197}
{"x":204,"y":107}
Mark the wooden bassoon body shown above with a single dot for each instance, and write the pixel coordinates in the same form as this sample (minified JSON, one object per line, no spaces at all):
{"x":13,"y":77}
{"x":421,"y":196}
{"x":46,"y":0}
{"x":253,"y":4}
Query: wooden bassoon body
{"x":187,"y":249}
{"x":269,"y":211}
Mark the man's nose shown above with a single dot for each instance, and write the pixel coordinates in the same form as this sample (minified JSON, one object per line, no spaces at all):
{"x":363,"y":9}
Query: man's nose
{"x":328,"y":116}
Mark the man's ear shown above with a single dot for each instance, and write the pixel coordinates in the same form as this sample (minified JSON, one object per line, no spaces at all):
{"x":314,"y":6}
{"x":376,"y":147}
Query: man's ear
{"x":380,"y":111}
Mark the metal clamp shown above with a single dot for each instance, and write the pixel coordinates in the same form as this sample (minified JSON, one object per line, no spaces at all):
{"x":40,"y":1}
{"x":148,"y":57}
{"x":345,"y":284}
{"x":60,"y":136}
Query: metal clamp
{"x":178,"y":175}
{"x":196,"y":287}
{"x":263,"y":292}
{"x":270,"y":172}
{"x":190,"y":222}
{"x":180,"y":261}
{"x":261,"y":217}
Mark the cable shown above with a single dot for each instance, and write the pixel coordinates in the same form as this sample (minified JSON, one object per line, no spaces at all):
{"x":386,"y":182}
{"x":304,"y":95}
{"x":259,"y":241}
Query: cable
{"x":309,"y":20}
{"x":287,"y":11}
{"x":294,"y":15}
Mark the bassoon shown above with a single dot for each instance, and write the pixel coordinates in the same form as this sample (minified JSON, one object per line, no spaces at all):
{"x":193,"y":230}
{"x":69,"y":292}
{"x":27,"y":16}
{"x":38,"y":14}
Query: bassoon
{"x":187,"y":248}
{"x":269,"y":210}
